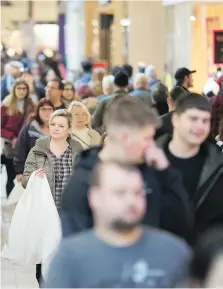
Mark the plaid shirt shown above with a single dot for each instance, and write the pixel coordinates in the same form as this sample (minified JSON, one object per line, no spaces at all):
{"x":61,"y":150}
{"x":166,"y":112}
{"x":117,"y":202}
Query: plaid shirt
{"x":62,"y":169}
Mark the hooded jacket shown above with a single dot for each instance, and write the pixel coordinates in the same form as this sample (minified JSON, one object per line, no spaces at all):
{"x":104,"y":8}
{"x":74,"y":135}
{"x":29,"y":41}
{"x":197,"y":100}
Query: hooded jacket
{"x":40,"y":157}
{"x":167,"y":200}
{"x":208,"y":198}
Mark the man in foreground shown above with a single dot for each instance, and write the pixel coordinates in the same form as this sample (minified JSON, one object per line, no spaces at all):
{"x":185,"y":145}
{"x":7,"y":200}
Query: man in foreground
{"x":119,"y":252}
{"x":130,"y":126}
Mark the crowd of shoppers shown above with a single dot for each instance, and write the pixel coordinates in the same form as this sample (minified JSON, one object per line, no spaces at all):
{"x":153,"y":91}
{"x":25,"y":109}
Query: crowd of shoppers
{"x":135,"y":171}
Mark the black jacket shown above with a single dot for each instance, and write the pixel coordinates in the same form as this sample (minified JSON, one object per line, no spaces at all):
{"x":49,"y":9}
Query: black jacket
{"x":166,"y":125}
{"x":167,"y":207}
{"x":208,"y":198}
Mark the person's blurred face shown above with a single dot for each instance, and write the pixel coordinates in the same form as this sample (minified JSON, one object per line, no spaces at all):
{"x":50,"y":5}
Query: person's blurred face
{"x":58,"y":128}
{"x":154,"y":74}
{"x":45,"y":113}
{"x":119,"y":202}
{"x":28,"y":79}
{"x":136,"y":141}
{"x":80,"y":117}
{"x":21,"y":91}
{"x":50,"y":75}
{"x":53,"y":92}
{"x":15,"y":72}
{"x":68,"y":92}
{"x":193,"y":126}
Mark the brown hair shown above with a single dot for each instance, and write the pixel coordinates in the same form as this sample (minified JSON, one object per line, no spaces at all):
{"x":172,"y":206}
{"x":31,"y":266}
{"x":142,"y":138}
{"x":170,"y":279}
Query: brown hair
{"x":129,"y":111}
{"x":40,"y":104}
{"x":12,"y":102}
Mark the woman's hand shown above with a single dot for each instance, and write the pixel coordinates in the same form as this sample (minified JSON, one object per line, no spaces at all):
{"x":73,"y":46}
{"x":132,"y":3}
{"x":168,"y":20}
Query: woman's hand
{"x":40,"y":173}
{"x":19,"y":177}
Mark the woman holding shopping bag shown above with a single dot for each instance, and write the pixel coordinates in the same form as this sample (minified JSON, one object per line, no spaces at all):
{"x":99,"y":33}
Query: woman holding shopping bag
{"x":53,"y":156}
{"x":35,"y":129}
{"x":15,"y":111}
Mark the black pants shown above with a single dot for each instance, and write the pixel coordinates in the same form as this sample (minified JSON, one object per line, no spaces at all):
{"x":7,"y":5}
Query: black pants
{"x":10,"y":172}
{"x":38,"y":273}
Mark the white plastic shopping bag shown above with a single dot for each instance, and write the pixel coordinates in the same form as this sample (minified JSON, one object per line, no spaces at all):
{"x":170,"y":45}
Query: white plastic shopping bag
{"x":9,"y":205}
{"x":35,"y":229}
{"x":4,"y":179}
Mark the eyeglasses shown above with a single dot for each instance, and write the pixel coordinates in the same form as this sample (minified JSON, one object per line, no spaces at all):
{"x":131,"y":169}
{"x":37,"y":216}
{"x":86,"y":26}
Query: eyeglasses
{"x":50,"y":87}
{"x":68,"y":89}
{"x":79,"y":115}
{"x":46,"y":108}
{"x":21,"y":88}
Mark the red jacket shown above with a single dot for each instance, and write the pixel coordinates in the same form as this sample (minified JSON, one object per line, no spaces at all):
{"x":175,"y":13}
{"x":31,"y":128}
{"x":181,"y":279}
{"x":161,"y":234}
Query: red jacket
{"x":12,"y":124}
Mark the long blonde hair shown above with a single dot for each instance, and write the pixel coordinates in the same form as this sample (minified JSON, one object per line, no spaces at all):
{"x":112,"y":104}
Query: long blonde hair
{"x":12,"y":107}
{"x":77,"y":103}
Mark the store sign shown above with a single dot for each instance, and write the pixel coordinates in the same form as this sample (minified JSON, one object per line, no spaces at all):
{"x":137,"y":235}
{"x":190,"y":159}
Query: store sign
{"x":218,"y":46}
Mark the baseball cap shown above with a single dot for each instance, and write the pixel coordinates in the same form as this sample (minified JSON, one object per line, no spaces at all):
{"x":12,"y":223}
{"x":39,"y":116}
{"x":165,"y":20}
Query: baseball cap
{"x":182,"y":72}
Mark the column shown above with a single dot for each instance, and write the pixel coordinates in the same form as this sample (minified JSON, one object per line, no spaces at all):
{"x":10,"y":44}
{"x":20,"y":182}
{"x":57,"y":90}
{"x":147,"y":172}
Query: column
{"x":74,"y":37}
{"x":61,"y":24}
{"x":182,"y":35}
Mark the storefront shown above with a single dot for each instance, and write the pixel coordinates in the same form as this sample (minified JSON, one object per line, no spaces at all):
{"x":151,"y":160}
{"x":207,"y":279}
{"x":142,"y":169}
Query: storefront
{"x":189,"y":37}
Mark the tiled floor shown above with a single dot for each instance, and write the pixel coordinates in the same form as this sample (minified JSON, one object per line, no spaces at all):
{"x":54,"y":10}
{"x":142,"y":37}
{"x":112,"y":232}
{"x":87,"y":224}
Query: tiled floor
{"x":13,"y":276}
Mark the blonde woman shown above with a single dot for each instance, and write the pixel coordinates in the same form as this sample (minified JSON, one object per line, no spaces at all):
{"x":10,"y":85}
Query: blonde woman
{"x":54,"y":156}
{"x":81,"y":128}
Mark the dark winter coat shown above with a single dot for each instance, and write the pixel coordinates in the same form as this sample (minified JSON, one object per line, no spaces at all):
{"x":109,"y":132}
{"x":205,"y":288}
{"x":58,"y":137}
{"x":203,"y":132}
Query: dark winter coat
{"x":168,"y":205}
{"x":26,"y":141}
{"x":208,"y":198}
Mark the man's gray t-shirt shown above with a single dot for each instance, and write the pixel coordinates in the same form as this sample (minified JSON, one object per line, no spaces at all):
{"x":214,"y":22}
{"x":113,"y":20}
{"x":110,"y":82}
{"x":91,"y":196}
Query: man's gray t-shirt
{"x":157,"y":259}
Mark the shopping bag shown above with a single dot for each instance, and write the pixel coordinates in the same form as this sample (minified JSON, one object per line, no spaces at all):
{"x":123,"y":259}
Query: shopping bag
{"x":35,"y":229}
{"x":4,"y":179}
{"x":16,"y":193}
{"x":9,"y":205}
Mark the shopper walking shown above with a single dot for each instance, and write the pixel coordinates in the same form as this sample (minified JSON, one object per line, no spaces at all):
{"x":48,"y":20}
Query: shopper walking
{"x":81,"y":126}
{"x":119,"y":252}
{"x":14,"y":114}
{"x":54,"y":156}
{"x":130,"y":126}
{"x":35,"y":129}
{"x":199,"y":162}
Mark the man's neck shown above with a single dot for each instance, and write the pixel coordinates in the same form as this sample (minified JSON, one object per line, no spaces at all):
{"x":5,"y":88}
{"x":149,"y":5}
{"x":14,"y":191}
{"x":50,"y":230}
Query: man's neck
{"x":110,"y":152}
{"x":118,"y":238}
{"x":181,"y":149}
{"x":57,"y":102}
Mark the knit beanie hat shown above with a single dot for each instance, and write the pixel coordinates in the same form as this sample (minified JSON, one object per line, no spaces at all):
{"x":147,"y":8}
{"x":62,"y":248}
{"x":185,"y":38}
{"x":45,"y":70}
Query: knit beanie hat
{"x":121,"y":79}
